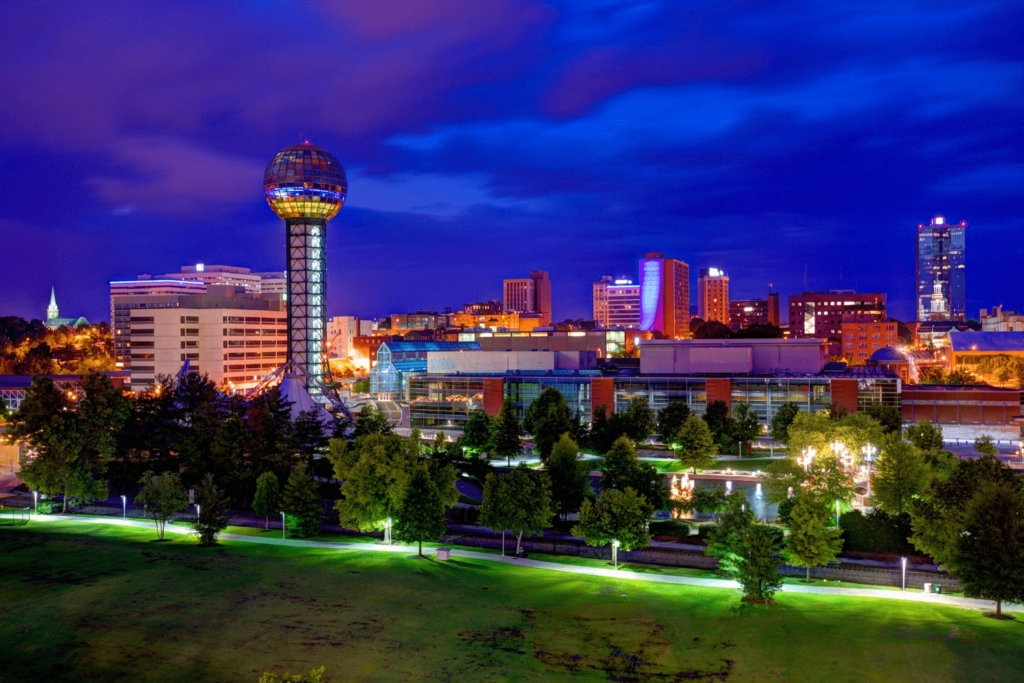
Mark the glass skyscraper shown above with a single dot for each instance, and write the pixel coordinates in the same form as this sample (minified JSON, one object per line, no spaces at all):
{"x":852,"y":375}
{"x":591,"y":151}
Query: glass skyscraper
{"x":941,"y":271}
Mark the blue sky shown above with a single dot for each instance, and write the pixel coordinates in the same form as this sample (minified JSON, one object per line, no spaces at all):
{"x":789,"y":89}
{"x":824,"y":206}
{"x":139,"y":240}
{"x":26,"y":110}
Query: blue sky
{"x":484,"y":139}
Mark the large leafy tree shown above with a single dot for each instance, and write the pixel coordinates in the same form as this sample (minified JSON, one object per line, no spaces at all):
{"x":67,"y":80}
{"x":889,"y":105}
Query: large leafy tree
{"x":745,"y":425}
{"x":811,"y":542}
{"x":420,"y":513}
{"x":717,"y":417}
{"x":370,"y":420}
{"x":498,"y":506}
{"x":758,"y":569}
{"x":901,"y":474}
{"x":886,"y":415}
{"x":301,"y":501}
{"x":476,"y":434}
{"x":267,"y":500}
{"x":163,"y":497}
{"x":724,"y":540}
{"x":617,"y":516}
{"x":638,"y":420}
{"x":694,"y":445}
{"x":671,"y":419}
{"x":519,"y":501}
{"x":939,"y":517}
{"x":506,"y":433}
{"x":213,"y":511}
{"x":988,"y":555}
{"x":784,"y":417}
{"x":925,"y":435}
{"x":374,"y":471}
{"x":622,"y":469}
{"x":547,"y":420}
{"x":570,"y":483}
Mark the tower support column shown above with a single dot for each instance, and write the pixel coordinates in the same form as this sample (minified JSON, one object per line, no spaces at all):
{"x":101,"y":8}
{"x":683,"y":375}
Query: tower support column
{"x":307,"y":279}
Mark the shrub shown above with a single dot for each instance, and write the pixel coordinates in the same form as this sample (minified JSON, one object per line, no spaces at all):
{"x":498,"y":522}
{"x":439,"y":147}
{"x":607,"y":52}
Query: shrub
{"x":876,"y":532}
{"x":670,"y":527}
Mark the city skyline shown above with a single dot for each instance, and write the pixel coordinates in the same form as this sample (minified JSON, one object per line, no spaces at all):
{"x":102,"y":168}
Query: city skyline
{"x":481,"y":137}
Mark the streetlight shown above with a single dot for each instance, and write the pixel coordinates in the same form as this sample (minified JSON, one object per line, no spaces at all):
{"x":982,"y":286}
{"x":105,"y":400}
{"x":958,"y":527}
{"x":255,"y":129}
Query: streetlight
{"x":808,"y":458}
{"x":903,"y":566}
{"x":124,"y":506}
{"x":387,"y":531}
{"x":197,"y":512}
{"x":35,"y":498}
{"x":282,"y":526}
{"x":615,"y":552}
{"x":837,"y":512}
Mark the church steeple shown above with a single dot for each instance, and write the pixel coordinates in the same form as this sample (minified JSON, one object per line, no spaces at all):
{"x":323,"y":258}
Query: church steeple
{"x":52,"y":311}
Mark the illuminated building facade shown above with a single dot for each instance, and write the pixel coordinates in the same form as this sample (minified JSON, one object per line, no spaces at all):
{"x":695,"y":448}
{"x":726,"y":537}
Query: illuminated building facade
{"x":128,"y":296}
{"x":233,"y":276}
{"x":713,"y":295}
{"x":664,"y":296}
{"x":306,"y":186}
{"x":529,"y":295}
{"x":861,"y":338}
{"x":821,"y":314}
{"x":616,"y":303}
{"x":941,"y":271}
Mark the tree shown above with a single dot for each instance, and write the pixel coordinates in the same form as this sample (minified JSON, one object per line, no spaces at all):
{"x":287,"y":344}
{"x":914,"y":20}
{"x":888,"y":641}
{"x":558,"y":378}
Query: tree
{"x":617,"y":516}
{"x":886,"y":415}
{"x":783,"y":419}
{"x":301,"y":501}
{"x":925,"y":435}
{"x":811,"y":542}
{"x":374,"y":471}
{"x":746,"y":426}
{"x":267,"y":500}
{"x":531,"y":489}
{"x":549,"y":398}
{"x":758,"y":569}
{"x":989,"y":554}
{"x":938,"y":517}
{"x":507,"y":433}
{"x":498,"y":506}
{"x":622,"y":469}
{"x":724,"y":539}
{"x":310,"y":434}
{"x":671,"y":419}
{"x":420,"y":513}
{"x":694,"y":444}
{"x":901,"y":474}
{"x":163,"y":497}
{"x":213,"y":512}
{"x":985,"y":446}
{"x":711,"y":329}
{"x":549,"y":423}
{"x":361,"y":386}
{"x":638,"y":420}
{"x":371,"y":421}
{"x":570,"y":483}
{"x":476,"y":433}
{"x":717,"y":417}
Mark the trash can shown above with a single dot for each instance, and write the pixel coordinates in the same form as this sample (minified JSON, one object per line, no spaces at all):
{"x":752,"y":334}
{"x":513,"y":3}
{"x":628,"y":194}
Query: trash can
{"x":928,"y":588}
{"x":938,"y":588}
{"x":444,"y":554}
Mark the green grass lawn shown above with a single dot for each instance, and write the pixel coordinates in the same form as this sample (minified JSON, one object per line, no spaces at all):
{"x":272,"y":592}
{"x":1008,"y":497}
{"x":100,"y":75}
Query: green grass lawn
{"x":96,"y":603}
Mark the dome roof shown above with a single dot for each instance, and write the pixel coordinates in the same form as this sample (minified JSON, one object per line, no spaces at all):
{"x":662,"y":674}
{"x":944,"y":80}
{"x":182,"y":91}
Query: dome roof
{"x":305,"y":181}
{"x":896,"y":354}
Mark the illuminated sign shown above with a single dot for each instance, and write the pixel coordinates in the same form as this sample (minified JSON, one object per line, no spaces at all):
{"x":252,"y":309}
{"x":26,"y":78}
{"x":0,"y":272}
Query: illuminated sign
{"x":650,"y":295}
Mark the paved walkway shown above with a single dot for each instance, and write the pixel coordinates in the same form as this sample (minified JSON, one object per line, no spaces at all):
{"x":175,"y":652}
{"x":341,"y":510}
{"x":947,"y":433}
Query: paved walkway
{"x":912,"y":596}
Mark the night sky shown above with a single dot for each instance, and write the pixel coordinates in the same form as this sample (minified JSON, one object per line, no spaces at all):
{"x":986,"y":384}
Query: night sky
{"x":485,"y":139}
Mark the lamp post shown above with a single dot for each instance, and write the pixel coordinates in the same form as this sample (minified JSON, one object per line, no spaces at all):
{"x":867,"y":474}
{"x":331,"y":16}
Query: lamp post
{"x":615,"y":552}
{"x":282,"y":526}
{"x":124,"y":506}
{"x":837,"y":512}
{"x":35,"y":501}
{"x":197,"y":512}
{"x":808,"y":458}
{"x":903,"y":572}
{"x":387,"y":531}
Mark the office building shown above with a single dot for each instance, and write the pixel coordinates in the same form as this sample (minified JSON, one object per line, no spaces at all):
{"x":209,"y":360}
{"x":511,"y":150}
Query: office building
{"x":1001,"y":321}
{"x":306,"y":186}
{"x":821,"y":314}
{"x":616,"y":303}
{"x":397,"y":360}
{"x":341,"y":330}
{"x":522,"y":322}
{"x":713,"y":295}
{"x":128,"y":296}
{"x":604,"y":343}
{"x":862,"y":336}
{"x":420,"y":320}
{"x":232,"y":276}
{"x":748,"y":312}
{"x":235,"y":340}
{"x":664,"y":296}
{"x":941,"y":271}
{"x":529,"y":295}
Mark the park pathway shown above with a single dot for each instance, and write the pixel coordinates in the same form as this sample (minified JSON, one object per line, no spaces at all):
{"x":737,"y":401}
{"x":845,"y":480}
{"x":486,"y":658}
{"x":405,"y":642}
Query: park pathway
{"x":912,"y":596}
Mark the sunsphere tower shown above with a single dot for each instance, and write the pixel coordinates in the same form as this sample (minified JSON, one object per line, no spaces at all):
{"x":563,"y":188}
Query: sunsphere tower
{"x":306,"y":186}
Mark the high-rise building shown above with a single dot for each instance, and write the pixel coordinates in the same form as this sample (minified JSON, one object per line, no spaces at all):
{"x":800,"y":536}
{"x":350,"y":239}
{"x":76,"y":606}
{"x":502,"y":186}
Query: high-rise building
{"x":306,"y":186}
{"x":713,"y":295}
{"x":747,"y":312}
{"x":941,"y":271}
{"x":529,"y":295}
{"x":821,"y":314}
{"x":616,"y":303}
{"x":127,"y":296}
{"x":664,"y":296}
{"x":234,"y":276}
